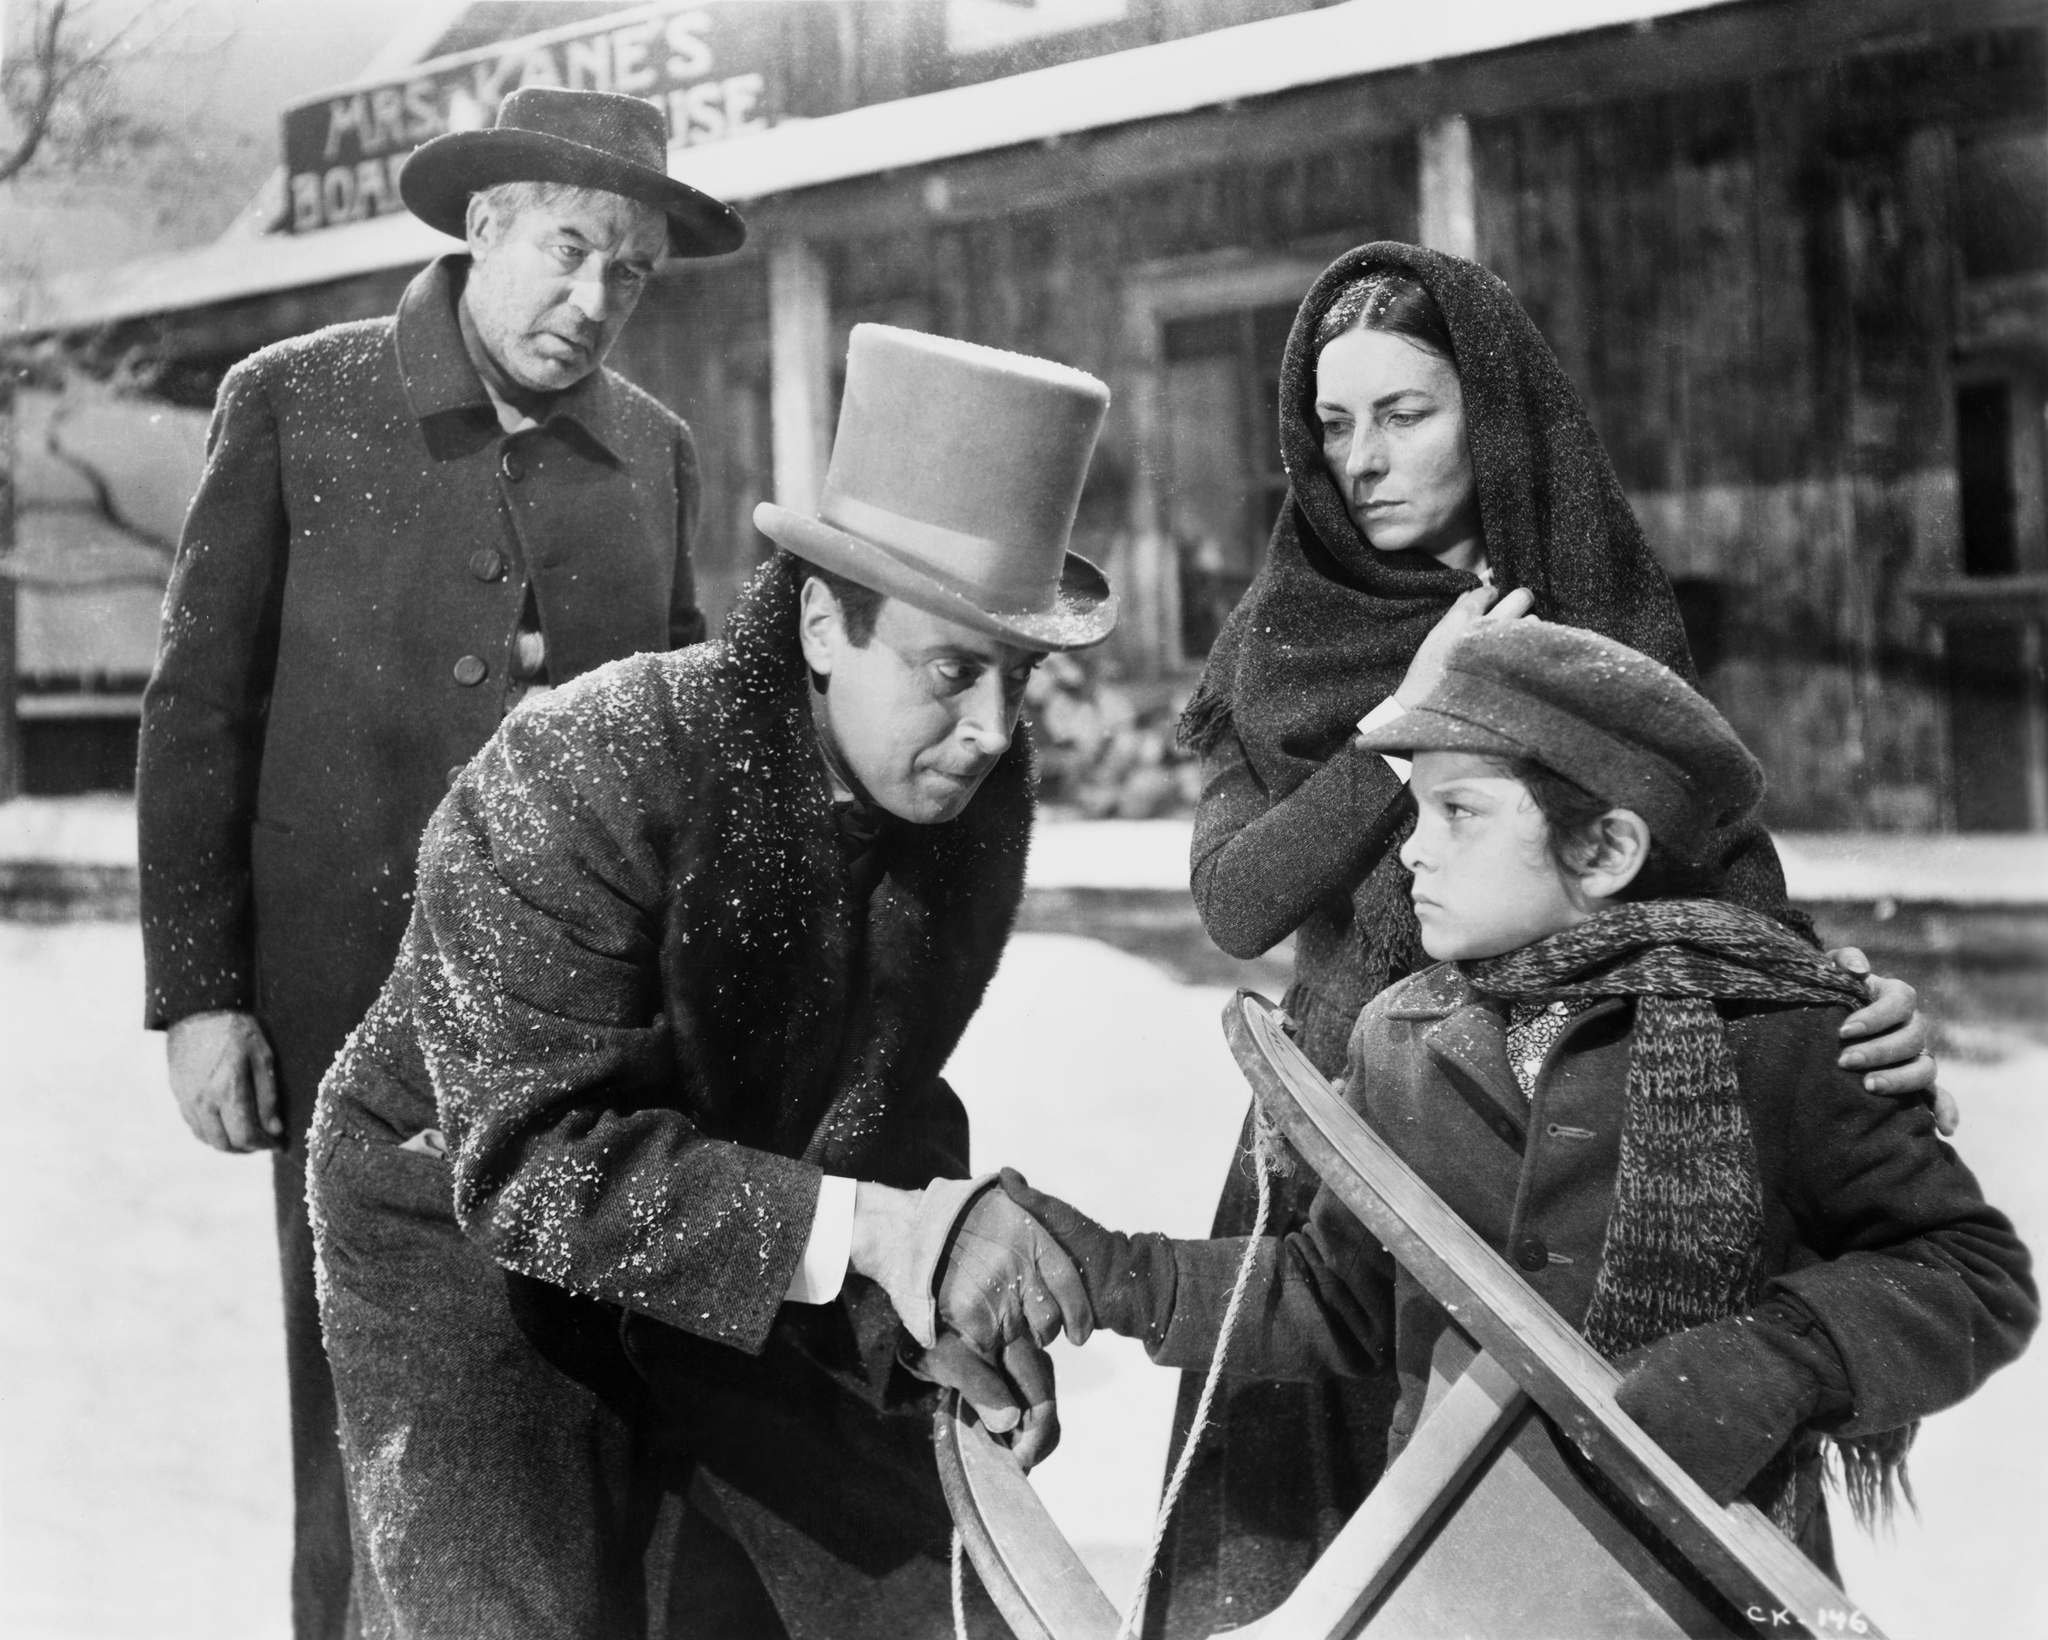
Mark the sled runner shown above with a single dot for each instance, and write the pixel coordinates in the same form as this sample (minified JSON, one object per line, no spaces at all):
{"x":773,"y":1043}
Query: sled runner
{"x":1503,"y":1516}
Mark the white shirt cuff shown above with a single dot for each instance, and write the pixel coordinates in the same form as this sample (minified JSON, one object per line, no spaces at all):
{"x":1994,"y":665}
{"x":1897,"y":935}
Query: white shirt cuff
{"x":1382,"y":714}
{"x":822,"y":1270}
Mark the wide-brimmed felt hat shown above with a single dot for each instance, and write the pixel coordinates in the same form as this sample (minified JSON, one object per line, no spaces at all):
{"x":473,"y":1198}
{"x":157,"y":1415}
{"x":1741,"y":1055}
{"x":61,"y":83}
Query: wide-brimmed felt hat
{"x":586,"y":139}
{"x":1607,"y":717}
{"x":954,"y":480}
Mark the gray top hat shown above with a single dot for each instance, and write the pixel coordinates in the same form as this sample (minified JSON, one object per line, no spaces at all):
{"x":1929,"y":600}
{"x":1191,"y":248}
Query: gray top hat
{"x":586,"y":139}
{"x":955,"y":476}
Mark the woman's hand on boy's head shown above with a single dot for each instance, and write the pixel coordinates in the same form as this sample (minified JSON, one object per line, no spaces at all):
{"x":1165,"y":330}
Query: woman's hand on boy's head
{"x":1888,"y":1040}
{"x":1426,"y":671}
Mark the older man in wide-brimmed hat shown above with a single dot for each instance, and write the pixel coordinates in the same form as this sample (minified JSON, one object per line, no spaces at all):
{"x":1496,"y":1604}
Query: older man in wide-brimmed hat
{"x":405,"y":527}
{"x":642,"y":1175}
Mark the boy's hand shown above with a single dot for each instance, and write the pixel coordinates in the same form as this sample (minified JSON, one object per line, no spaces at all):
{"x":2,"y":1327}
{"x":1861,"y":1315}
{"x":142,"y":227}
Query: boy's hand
{"x":1130,"y":1279}
{"x":1723,"y":1398}
{"x":961,"y":1255}
{"x":1888,"y":1038}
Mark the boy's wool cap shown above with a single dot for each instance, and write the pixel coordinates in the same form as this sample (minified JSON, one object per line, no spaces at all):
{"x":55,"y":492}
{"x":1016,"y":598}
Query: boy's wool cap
{"x":953,"y":485}
{"x":1628,"y":729}
{"x":588,"y":139}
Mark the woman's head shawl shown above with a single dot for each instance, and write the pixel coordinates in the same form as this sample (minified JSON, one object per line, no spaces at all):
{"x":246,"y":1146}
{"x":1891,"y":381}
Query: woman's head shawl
{"x":1327,"y":629}
{"x":1329,"y":625}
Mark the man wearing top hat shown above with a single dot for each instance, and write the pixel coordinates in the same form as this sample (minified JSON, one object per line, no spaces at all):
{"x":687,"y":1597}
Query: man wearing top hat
{"x":642,"y":1173}
{"x":404,"y":527}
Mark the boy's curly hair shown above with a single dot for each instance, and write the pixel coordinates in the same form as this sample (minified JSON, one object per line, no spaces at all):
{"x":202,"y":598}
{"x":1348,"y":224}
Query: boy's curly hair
{"x":1569,"y":813}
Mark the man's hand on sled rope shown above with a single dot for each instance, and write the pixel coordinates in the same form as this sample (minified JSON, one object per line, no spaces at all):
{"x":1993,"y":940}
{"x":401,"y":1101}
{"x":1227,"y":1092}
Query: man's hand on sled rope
{"x":960,"y":1255}
{"x":1016,"y":1399}
{"x":225,"y":1080}
{"x":1888,"y":1038}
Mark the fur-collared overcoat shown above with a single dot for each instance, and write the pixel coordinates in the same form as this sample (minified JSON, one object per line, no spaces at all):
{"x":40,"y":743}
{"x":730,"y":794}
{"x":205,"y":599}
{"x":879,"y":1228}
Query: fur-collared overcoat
{"x":337,"y":637}
{"x":1870,"y":1221}
{"x":644,"y":1001}
{"x":638,"y":997}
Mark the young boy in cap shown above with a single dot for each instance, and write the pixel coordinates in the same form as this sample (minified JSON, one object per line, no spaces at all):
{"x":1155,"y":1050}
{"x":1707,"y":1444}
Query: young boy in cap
{"x":1631,"y":1092}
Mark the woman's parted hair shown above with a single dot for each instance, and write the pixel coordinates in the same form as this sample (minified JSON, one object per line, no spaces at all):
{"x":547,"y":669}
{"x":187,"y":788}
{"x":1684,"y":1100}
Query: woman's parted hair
{"x":1389,"y":300}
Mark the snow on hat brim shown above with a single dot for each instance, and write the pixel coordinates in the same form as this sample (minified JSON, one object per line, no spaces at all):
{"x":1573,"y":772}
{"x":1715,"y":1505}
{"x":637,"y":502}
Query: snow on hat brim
{"x":584,"y":139}
{"x":1626,"y":728}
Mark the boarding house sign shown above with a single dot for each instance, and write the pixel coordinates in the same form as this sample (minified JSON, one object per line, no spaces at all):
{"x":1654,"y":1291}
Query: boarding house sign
{"x":703,"y":66}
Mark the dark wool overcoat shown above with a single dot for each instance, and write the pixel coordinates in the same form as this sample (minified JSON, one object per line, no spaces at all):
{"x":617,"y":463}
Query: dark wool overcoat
{"x":1870,"y":1220}
{"x":336,"y":641}
{"x":644,"y":1001}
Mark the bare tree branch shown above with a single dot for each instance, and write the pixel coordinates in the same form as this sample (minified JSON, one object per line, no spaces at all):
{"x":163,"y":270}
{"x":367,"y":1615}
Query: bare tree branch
{"x":47,"y":75}
{"x":64,"y":71}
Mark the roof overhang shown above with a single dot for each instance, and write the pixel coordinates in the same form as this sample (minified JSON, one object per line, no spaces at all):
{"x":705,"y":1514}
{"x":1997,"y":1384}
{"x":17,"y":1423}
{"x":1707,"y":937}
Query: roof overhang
{"x":1250,"y":60}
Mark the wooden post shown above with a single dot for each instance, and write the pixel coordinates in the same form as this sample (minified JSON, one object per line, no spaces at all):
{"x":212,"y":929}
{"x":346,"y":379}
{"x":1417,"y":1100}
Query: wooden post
{"x":10,"y":721}
{"x":1449,"y":209}
{"x":1147,"y":570}
{"x":800,"y":380}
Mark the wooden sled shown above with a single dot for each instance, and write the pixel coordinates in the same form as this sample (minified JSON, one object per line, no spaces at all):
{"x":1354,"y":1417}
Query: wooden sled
{"x":1486,"y":1525}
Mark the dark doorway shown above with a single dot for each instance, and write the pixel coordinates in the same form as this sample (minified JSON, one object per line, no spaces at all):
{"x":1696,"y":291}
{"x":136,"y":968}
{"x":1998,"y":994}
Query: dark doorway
{"x":1224,"y":485}
{"x":64,"y":756}
{"x":1993,"y":625}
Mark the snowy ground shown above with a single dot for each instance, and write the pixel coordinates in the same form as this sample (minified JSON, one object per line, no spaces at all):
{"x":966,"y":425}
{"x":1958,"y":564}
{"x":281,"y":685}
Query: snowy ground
{"x":142,"y":1453}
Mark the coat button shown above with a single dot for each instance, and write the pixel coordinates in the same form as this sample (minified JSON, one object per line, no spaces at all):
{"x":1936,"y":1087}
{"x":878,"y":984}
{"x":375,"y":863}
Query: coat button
{"x":470,"y":670}
{"x":511,"y":466}
{"x":487,"y":564}
{"x":1531,"y":1253}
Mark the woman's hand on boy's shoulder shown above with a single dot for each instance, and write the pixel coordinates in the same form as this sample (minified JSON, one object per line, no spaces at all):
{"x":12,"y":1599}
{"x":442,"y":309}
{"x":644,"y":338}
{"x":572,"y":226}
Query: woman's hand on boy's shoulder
{"x":1887,"y":1040}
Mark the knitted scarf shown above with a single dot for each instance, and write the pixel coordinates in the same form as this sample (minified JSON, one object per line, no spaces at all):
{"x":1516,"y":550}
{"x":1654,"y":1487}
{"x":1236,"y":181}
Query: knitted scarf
{"x":1327,"y":629}
{"x":1685,"y":1233}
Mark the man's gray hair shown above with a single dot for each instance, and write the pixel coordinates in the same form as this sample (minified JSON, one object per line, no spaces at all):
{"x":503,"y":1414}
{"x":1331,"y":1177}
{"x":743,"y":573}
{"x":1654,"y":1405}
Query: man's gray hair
{"x":507,"y":199}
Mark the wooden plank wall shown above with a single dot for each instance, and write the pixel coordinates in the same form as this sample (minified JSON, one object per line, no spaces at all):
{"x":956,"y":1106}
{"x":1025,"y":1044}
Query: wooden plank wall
{"x":1751,"y":282}
{"x":1753,"y":286}
{"x":699,"y":343}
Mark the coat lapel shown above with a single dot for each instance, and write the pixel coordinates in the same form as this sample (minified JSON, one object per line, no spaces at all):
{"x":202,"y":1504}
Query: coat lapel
{"x":1471,"y":1042}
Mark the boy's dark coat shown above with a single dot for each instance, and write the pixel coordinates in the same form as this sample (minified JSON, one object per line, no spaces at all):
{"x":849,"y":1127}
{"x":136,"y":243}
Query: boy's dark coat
{"x":1869,"y":1219}
{"x":638,"y":997}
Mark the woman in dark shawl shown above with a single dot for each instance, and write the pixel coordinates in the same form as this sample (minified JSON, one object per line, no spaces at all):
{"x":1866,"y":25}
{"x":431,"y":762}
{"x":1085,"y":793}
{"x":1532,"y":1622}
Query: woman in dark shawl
{"x":1438,"y":461}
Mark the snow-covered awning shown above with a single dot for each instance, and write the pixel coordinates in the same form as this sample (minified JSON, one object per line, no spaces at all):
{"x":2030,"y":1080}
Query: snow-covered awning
{"x":1345,"y":41}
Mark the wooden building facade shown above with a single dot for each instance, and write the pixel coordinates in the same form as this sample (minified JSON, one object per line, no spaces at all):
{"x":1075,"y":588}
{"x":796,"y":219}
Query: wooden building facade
{"x":1794,"y":253}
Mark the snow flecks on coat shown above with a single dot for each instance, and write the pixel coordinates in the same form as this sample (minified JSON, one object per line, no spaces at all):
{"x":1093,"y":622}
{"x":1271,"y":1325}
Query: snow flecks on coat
{"x":638,"y":997}
{"x":383,"y":1496}
{"x":353,"y":555}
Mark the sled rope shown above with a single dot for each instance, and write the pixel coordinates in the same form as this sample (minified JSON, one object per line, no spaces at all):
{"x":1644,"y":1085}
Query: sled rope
{"x":1262,"y":1170}
{"x":959,"y":1586}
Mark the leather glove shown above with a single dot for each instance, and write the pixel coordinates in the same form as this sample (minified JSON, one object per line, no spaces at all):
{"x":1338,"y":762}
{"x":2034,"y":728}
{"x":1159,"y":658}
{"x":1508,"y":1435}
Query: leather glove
{"x":990,"y":1272}
{"x":1017,"y":1400}
{"x":1130,"y":1279}
{"x":1723,"y":1398}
